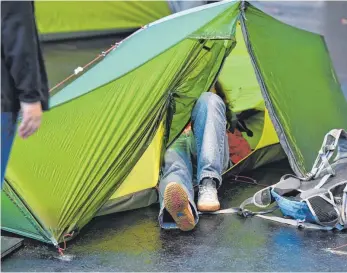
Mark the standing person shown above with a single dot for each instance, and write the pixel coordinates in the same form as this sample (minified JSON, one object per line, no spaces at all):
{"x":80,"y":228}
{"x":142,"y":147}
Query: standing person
{"x":24,"y":84}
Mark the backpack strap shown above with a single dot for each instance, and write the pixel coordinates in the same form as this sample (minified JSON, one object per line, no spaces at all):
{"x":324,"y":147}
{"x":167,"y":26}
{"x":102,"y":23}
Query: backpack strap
{"x":329,"y":145}
{"x":261,"y":199}
{"x":323,"y":181}
{"x":295,"y":223}
{"x":291,"y":222}
{"x":344,"y":207}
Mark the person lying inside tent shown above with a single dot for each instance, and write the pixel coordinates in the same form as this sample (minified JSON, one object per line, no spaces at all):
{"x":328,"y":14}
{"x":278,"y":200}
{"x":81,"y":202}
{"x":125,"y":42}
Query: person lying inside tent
{"x":197,"y":159}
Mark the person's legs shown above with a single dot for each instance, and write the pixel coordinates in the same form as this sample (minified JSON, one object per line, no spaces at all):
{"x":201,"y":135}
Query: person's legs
{"x":212,"y":150}
{"x":8,"y":129}
{"x":176,"y":193}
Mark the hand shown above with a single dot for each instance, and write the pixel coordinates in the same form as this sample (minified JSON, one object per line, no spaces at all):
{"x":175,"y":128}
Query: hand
{"x":32,"y":114}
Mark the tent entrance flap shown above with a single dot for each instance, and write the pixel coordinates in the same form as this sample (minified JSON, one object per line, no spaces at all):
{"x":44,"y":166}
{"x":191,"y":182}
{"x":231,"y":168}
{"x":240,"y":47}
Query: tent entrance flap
{"x":242,"y":90}
{"x":296,"y":90}
{"x":137,"y":187}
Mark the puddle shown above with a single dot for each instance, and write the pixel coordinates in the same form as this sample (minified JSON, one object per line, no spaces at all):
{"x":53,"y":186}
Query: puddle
{"x":338,"y":252}
{"x":65,"y":258}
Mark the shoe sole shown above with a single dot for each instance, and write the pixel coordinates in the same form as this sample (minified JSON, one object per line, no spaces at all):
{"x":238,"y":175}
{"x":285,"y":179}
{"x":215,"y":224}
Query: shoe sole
{"x":208,"y":208}
{"x":177,"y":204}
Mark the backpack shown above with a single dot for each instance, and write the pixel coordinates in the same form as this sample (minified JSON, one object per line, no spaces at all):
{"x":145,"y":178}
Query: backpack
{"x":318,"y":201}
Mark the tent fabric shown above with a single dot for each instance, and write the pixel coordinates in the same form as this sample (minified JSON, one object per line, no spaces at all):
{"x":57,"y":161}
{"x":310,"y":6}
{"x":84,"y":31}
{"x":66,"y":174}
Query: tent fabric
{"x":137,"y":189}
{"x":310,"y":91}
{"x":146,"y":170}
{"x":91,"y":150}
{"x":265,"y":145}
{"x":239,"y":80}
{"x":139,"y":199}
{"x":71,"y":20}
{"x":16,"y":218}
{"x":243,"y":91}
{"x":144,"y":43}
{"x":256,"y":159}
{"x":74,"y":18}
{"x":100,"y":125}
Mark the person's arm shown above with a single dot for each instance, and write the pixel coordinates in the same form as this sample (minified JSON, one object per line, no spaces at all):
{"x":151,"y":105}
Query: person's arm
{"x":20,"y":51}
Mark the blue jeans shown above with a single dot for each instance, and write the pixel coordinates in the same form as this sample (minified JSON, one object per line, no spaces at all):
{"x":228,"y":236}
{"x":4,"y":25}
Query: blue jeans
{"x":8,"y":129}
{"x":197,"y":154}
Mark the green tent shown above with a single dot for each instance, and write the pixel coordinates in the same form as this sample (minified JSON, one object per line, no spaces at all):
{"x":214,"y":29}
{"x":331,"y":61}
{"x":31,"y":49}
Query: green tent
{"x":58,"y":20}
{"x":72,"y":19}
{"x":100,"y":146}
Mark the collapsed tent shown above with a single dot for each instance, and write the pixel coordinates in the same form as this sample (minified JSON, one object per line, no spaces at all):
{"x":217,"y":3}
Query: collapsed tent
{"x":100,"y":147}
{"x":75,"y":19}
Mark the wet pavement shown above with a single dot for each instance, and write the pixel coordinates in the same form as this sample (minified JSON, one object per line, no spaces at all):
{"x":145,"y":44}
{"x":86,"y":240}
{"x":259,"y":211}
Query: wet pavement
{"x":133,"y":241}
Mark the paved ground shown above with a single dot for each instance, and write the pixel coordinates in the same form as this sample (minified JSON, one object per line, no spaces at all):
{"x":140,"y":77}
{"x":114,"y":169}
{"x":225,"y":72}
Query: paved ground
{"x":132,"y":241}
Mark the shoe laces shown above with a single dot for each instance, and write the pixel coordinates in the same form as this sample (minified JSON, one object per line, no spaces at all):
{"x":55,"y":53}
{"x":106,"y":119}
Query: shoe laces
{"x":207,"y":191}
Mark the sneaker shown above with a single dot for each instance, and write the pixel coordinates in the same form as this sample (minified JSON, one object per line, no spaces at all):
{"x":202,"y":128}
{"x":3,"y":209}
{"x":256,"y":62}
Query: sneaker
{"x":177,"y":204}
{"x":208,"y":198}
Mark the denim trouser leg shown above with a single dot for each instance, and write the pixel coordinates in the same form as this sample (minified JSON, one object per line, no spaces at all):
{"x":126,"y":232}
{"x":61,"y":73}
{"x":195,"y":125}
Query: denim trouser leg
{"x":177,"y":168}
{"x":8,"y":128}
{"x":209,"y":127}
{"x":194,"y":156}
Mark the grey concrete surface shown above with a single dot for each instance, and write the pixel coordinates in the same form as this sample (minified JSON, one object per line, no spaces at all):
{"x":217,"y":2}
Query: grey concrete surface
{"x":133,"y":241}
